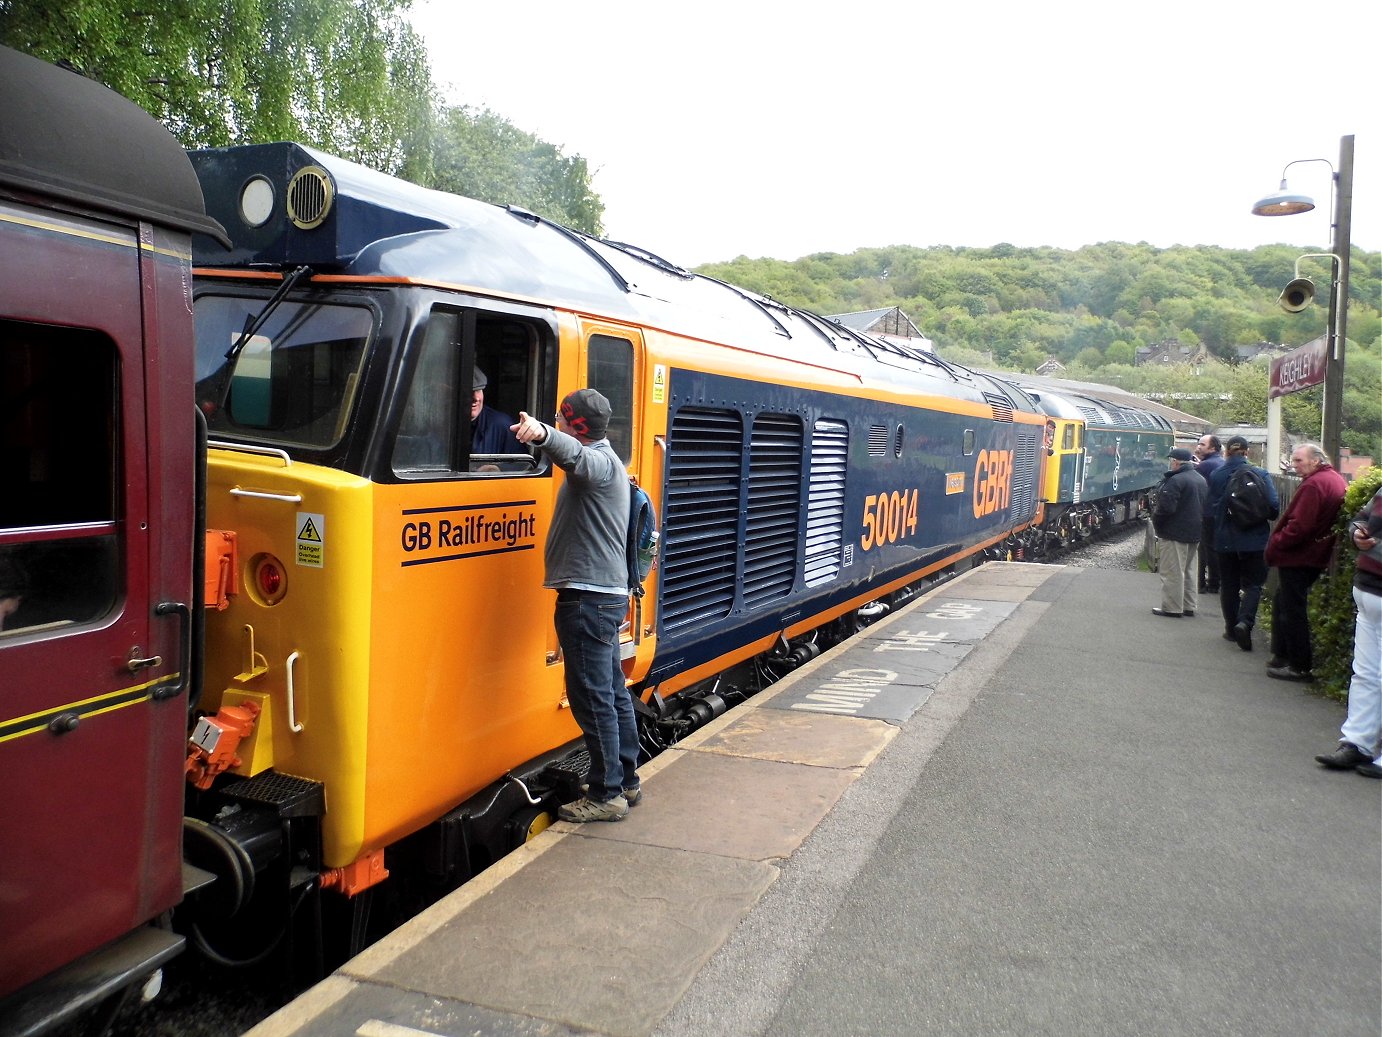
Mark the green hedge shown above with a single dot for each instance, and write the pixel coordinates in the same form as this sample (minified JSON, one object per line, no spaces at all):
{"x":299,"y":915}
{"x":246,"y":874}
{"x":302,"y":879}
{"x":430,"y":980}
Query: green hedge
{"x":1331,"y":599}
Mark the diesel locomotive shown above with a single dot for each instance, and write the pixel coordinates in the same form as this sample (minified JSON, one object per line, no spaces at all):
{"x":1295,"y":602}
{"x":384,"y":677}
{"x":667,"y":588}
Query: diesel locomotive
{"x":282,"y":655}
{"x":383,"y":687}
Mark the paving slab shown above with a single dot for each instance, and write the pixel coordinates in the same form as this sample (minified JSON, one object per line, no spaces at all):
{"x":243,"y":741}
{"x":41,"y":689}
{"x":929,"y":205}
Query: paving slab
{"x":768,"y":807}
{"x":648,"y":915}
{"x":820,"y":741}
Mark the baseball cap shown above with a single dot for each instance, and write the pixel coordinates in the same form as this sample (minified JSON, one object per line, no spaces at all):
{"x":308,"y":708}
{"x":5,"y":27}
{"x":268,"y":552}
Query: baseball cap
{"x":587,"y":412}
{"x":1181,"y":454}
{"x":1237,"y":443}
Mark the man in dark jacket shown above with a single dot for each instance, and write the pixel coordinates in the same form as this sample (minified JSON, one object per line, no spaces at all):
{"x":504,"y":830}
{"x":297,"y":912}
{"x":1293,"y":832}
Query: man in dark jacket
{"x":1211,"y":460}
{"x":1178,"y":520}
{"x":1300,"y":547}
{"x":1242,"y":569}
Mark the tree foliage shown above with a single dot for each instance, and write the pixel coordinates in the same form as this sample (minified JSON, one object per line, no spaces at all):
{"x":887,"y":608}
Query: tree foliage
{"x":348,"y":76}
{"x":1095,"y":307}
{"x":482,"y":155}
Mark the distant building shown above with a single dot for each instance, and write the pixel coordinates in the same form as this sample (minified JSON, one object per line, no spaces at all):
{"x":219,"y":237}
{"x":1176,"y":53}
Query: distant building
{"x":1247,"y":354}
{"x":1050,"y":366}
{"x":1256,"y":435}
{"x":1350,"y":464}
{"x":1172,"y":351}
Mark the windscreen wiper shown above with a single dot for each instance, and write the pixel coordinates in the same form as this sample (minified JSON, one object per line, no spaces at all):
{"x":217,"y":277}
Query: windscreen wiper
{"x":252,"y":326}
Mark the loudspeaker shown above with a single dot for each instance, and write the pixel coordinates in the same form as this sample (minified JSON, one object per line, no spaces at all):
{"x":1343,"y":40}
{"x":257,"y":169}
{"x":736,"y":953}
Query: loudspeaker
{"x":1297,"y":295}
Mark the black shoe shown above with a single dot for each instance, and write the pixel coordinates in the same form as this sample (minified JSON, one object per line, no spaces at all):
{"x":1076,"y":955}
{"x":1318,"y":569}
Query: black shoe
{"x":1168,"y":615}
{"x":1343,"y":758}
{"x":1289,"y":673}
{"x":1275,"y":662}
{"x":1188,"y":613}
{"x":1228,"y":635}
{"x":1369,"y":770}
{"x":1242,"y":633}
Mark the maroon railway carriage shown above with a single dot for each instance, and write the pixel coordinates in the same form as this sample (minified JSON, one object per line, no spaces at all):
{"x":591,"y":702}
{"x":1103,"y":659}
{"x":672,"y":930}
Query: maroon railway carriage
{"x":97,"y":464}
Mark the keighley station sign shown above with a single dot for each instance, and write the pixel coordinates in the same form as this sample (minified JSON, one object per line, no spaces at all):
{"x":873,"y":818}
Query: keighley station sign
{"x":1299,"y":369}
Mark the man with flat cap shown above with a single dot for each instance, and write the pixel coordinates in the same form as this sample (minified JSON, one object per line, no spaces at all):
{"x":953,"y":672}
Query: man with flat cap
{"x":491,"y":431}
{"x":1178,"y":519}
{"x":587,"y":567}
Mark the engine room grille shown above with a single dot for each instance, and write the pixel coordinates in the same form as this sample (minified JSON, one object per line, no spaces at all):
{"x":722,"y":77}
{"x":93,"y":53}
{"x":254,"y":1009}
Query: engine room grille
{"x":825,"y":513}
{"x":1024,"y":477}
{"x":1002,"y":406}
{"x":701,"y":541}
{"x":774,"y":507}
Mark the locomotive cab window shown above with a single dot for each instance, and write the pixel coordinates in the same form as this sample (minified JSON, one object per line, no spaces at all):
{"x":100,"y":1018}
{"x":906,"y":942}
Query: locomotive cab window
{"x":58,"y":426}
{"x":610,"y":365}
{"x":471,"y":374}
{"x":290,"y":381}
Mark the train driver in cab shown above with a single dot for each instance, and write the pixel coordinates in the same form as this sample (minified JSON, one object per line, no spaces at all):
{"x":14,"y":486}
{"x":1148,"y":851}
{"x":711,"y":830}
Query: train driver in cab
{"x":491,"y":431}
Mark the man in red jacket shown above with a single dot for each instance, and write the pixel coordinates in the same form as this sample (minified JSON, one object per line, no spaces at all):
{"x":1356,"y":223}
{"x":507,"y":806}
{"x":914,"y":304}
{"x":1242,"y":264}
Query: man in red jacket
{"x":1300,"y":547}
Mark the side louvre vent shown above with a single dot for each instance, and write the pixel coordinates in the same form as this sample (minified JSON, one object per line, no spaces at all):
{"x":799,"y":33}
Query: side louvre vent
{"x":700,"y":532}
{"x":1024,"y":477}
{"x":878,"y":440}
{"x":825,"y":514}
{"x":774,"y":507}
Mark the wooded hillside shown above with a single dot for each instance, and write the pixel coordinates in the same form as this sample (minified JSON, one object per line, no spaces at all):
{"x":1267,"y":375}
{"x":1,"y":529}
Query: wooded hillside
{"x":1092,"y":308}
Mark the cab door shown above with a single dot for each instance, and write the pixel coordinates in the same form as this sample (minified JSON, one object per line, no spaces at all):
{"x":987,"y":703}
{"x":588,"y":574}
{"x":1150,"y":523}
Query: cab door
{"x":92,"y":720}
{"x":615,"y":366}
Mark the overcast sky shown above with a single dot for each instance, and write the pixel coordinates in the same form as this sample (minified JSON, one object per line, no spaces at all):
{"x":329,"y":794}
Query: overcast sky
{"x":718,"y":129}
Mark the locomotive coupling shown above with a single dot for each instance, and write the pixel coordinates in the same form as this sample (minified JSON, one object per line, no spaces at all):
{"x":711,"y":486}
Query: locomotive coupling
{"x":211,"y":749}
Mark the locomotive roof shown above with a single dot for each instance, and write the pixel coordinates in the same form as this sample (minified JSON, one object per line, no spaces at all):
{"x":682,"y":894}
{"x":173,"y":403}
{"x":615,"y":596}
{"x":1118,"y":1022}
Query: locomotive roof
{"x":67,"y":136}
{"x":1105,"y":410}
{"x":378,"y":225}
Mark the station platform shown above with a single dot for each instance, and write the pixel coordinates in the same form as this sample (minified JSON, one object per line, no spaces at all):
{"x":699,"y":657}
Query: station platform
{"x":1022,"y":804}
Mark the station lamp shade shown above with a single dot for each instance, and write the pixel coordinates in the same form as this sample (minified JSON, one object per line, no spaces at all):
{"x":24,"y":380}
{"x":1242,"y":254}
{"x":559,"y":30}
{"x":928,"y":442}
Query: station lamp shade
{"x":1283,"y":203}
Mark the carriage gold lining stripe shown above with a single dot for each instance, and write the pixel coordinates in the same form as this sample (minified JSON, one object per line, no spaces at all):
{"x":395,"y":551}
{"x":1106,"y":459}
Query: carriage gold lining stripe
{"x":108,"y":239}
{"x":26,"y":725}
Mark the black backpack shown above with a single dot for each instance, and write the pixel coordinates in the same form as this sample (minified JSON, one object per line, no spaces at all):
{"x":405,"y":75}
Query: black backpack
{"x":1248,"y":503}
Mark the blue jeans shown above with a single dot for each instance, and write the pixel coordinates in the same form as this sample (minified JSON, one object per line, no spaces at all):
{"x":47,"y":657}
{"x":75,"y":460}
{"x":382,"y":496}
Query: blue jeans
{"x":1364,"y":724}
{"x":588,"y":631}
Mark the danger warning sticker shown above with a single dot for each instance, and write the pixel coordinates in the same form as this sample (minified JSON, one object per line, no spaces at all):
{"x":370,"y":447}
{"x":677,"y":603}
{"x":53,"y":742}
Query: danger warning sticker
{"x":311,"y":539}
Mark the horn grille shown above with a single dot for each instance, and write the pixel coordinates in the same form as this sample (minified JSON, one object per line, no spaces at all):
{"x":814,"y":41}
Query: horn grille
{"x":309,"y":197}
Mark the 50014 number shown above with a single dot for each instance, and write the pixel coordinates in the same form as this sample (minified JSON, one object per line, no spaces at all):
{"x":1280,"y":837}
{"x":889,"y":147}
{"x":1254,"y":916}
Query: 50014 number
{"x":888,"y":517}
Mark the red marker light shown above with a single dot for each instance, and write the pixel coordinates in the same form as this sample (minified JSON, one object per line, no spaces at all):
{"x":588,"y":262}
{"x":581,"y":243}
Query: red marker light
{"x":270,"y":580}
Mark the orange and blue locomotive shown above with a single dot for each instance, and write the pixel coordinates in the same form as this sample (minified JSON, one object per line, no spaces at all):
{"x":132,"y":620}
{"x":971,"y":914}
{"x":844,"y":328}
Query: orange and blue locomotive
{"x":382,"y":676}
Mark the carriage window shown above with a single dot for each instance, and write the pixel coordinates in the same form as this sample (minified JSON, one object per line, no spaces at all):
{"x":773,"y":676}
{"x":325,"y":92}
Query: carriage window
{"x":1068,"y":438}
{"x":969,"y":442}
{"x":470,"y":376}
{"x":611,"y":373}
{"x":293,"y":381}
{"x":58,"y":463}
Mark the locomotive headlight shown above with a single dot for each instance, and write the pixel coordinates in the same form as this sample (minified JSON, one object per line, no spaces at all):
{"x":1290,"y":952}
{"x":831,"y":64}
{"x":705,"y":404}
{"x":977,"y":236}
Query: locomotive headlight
{"x":268,"y":579}
{"x":256,"y":201}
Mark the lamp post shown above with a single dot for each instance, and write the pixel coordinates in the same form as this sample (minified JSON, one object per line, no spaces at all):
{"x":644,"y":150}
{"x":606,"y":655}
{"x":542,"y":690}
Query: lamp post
{"x":1287,"y":203}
